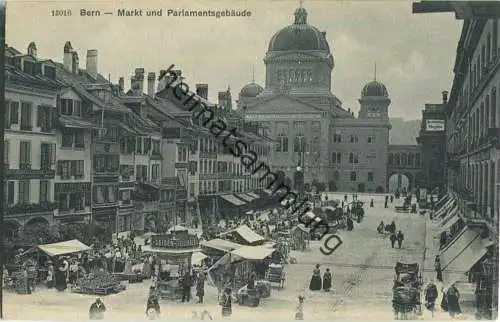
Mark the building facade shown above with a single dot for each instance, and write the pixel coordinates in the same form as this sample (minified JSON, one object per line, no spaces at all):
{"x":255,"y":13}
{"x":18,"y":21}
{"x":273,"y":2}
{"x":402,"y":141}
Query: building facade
{"x":312,"y":131}
{"x":432,"y":140}
{"x":473,"y":148}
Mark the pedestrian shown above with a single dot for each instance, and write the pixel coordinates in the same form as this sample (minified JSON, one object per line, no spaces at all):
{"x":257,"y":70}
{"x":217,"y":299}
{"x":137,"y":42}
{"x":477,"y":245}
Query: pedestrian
{"x":186,"y":286}
{"x":371,"y":203}
{"x":299,"y":315}
{"x":200,"y":286}
{"x":327,"y":280}
{"x":226,"y":302}
{"x":97,"y":309}
{"x":392,"y":198}
{"x":392,"y":239}
{"x":315,"y":284}
{"x":400,"y":237}
{"x":386,"y":201}
{"x":437,"y":268}
{"x":431,"y":295}
{"x":50,"y":275}
{"x":452,"y":298}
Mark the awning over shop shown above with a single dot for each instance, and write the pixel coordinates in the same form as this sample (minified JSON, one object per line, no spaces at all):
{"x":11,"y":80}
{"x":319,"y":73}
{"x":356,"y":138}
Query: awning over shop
{"x":221,"y":244}
{"x":244,"y":197}
{"x":63,"y":248}
{"x":197,"y":258}
{"x":248,"y":235}
{"x":454,"y":270}
{"x":464,"y":239}
{"x":254,"y":195}
{"x":444,"y":210}
{"x":447,"y":224}
{"x":269,"y":192}
{"x":252,"y":252}
{"x":451,"y":214}
{"x":233,"y":200}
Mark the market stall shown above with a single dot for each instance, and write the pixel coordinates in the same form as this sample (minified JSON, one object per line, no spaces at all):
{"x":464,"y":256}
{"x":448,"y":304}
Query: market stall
{"x":173,"y":252}
{"x":301,"y":236}
{"x":245,"y":236}
{"x":64,"y":248}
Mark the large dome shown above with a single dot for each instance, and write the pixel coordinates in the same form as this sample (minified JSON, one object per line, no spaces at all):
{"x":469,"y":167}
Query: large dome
{"x":374,"y":89}
{"x":299,"y":36}
{"x":251,"y":90}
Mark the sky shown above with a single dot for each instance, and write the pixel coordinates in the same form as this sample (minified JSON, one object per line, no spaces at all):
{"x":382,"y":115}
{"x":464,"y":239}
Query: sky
{"x":414,"y":54}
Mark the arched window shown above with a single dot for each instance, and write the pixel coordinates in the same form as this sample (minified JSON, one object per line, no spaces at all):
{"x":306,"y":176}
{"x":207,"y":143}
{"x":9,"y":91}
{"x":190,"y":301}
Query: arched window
{"x":397,"y":159}
{"x":410,"y":159}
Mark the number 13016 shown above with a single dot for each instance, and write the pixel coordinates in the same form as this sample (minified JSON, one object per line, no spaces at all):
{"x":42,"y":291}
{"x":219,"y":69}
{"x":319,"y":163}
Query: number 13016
{"x":61,"y":13}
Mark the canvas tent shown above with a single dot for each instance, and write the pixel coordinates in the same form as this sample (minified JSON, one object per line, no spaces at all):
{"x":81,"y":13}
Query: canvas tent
{"x":63,"y":248}
{"x":249,"y":235}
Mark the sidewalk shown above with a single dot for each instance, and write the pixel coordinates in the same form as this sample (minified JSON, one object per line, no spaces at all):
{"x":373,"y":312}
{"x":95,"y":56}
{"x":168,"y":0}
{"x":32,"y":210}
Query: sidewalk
{"x":467,"y":299}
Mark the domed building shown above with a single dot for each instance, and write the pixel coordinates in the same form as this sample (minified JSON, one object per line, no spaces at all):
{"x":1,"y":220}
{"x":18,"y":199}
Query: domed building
{"x":297,"y":107}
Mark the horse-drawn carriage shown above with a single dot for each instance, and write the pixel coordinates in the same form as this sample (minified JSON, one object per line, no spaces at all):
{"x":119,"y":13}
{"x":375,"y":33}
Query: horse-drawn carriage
{"x":406,"y":290}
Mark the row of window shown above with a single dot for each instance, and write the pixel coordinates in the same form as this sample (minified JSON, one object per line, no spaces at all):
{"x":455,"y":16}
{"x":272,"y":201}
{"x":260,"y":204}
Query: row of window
{"x":353,"y":176}
{"x":300,"y":144}
{"x":209,"y":166}
{"x":67,"y":169}
{"x":404,"y":159}
{"x":45,"y":116}
{"x":336,"y":158}
{"x":73,"y":139}
{"x":207,"y":187}
{"x":47,"y":154}
{"x":76,"y":201}
{"x":139,"y":145}
{"x":24,"y":192}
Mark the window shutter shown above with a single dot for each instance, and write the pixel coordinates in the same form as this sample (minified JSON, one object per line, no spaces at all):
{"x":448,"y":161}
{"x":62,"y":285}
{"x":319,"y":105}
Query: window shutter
{"x":73,"y":167}
{"x":39,"y":116}
{"x":59,"y":168}
{"x":53,"y":153}
{"x":53,"y":116}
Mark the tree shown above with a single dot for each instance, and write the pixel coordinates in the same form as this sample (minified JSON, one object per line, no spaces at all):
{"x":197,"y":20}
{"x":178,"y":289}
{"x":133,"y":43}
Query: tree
{"x":38,"y":234}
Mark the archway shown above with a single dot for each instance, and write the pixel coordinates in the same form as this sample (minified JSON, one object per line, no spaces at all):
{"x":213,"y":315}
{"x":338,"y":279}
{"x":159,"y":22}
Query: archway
{"x":37,"y":221}
{"x":398,"y":182}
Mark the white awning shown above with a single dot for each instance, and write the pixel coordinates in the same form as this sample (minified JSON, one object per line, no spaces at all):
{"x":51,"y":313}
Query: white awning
{"x":197,"y":258}
{"x":254,"y":195}
{"x":454,"y":271}
{"x":232,"y":199}
{"x":465,"y":238}
{"x":269,"y":192}
{"x":248,"y":235}
{"x":252,"y":252}
{"x":447,"y":224}
{"x":449,"y":216}
{"x":178,"y":228}
{"x":244,"y":197}
{"x":62,"y":248}
{"x":221,"y":244}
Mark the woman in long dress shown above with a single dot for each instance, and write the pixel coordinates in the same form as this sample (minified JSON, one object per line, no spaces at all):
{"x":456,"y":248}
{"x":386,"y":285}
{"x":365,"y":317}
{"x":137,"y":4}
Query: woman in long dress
{"x":327,"y":280}
{"x":62,"y":276}
{"x":50,"y":276}
{"x":452,"y":297}
{"x":315,"y":284}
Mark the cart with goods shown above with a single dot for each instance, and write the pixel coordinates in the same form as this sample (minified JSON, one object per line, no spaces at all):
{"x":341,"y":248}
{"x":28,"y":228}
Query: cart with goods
{"x":100,"y":283}
{"x":276,"y":274}
{"x":406,"y":290}
{"x":248,"y":297}
{"x":264,"y":288}
{"x":170,"y":290}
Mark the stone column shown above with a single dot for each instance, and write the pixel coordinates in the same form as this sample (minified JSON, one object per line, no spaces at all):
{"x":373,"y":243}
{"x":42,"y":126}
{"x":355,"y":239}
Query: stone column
{"x":485,"y":188}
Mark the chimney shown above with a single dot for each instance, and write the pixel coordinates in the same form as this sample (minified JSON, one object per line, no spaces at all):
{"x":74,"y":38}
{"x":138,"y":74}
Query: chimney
{"x":92,"y":62}
{"x":32,"y":49}
{"x":445,"y":97}
{"x":138,"y":80}
{"x":121,"y":84}
{"x":68,"y":56}
{"x":202,"y":90}
{"x":151,"y":84}
{"x":75,"y":63}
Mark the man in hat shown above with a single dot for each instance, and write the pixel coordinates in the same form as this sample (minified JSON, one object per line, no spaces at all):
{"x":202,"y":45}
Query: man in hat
{"x":97,"y":309}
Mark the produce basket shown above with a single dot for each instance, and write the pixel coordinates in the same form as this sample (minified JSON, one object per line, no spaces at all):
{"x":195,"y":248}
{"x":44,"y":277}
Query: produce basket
{"x":98,"y":284}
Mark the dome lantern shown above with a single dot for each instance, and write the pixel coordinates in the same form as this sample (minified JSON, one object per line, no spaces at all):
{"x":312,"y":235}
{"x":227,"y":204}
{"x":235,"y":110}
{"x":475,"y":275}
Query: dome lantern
{"x":300,"y":16}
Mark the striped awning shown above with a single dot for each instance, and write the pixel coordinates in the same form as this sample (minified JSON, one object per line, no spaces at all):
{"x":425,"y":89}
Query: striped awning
{"x":244,"y":196}
{"x":233,"y":200}
{"x":254,"y":195}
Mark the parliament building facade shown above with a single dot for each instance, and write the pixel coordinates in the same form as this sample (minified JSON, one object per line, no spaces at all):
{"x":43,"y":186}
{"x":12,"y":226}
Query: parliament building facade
{"x":297,"y":108}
